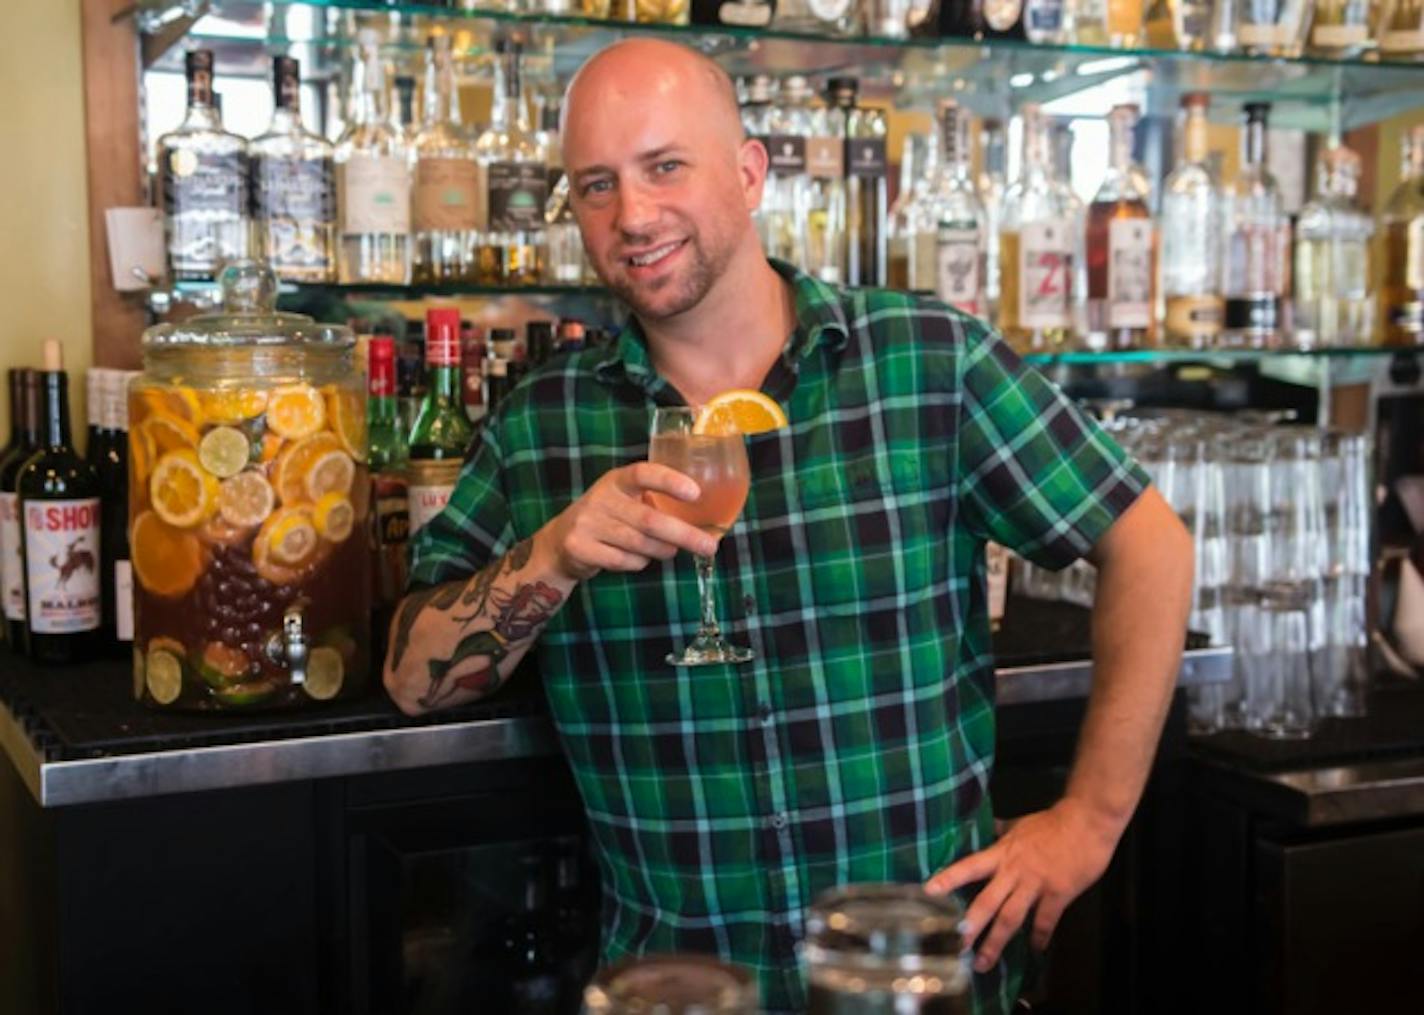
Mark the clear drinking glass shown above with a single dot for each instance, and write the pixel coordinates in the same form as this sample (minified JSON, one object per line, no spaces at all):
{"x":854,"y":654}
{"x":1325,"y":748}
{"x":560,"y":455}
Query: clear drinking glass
{"x":718,"y":464}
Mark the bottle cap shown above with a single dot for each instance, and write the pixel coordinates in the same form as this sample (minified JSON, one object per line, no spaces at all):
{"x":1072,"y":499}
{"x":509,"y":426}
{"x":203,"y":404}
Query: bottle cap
{"x":53,"y":355}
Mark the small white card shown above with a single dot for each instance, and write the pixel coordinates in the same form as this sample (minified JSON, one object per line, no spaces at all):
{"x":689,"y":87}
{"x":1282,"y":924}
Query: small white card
{"x":135,"y":242}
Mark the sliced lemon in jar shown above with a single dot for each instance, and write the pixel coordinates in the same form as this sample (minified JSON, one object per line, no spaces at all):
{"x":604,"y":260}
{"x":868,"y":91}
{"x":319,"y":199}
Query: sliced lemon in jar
{"x":346,"y":414}
{"x":164,"y":676}
{"x":740,"y":410}
{"x":246,"y":499}
{"x":332,"y":472}
{"x":334,"y":517}
{"x":290,"y":536}
{"x":296,"y":411}
{"x":325,"y":673}
{"x":181,"y":492}
{"x":224,"y":451}
{"x":166,"y":433}
{"x":295,"y":461}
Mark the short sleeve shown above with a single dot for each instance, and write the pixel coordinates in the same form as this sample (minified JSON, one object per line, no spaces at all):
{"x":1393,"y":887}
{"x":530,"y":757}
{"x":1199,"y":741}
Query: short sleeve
{"x":1036,"y":474}
{"x":475,"y":526}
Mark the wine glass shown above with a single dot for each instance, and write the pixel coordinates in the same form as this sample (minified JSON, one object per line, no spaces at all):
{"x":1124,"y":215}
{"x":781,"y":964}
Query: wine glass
{"x":718,"y":464}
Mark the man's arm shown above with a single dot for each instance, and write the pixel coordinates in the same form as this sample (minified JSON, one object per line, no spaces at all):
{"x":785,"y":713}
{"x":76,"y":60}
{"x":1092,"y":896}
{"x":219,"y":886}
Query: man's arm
{"x":459,"y":641}
{"x":1047,"y":859}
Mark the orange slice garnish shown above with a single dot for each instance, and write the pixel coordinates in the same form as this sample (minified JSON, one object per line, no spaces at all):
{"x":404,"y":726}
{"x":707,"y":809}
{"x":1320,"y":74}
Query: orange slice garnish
{"x":740,"y":410}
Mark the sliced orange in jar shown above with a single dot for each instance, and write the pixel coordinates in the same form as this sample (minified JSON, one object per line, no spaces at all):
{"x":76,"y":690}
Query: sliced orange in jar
{"x":290,"y":536}
{"x":332,"y":472}
{"x":182,"y":493}
{"x":334,"y":517}
{"x":168,"y":433}
{"x":232,"y":406}
{"x":346,"y":415}
{"x":166,"y":561}
{"x":294,"y":462}
{"x":246,"y":500}
{"x":177,"y":400}
{"x":295,"y":411}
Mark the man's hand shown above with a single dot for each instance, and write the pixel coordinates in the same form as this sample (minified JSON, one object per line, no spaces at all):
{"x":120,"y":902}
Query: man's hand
{"x":1042,"y":863}
{"x":612,"y":527}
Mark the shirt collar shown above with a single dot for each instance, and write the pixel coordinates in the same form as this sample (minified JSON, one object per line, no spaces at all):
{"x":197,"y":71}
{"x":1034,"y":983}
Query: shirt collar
{"x":820,"y":322}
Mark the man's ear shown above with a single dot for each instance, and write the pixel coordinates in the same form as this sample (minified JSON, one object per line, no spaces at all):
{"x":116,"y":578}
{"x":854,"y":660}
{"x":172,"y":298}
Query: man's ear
{"x":752,"y":165}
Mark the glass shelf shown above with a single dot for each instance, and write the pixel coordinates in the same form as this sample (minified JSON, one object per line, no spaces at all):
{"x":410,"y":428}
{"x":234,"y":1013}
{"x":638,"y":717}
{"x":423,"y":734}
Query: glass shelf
{"x":382,"y":291}
{"x":1222,"y":356}
{"x":1312,"y":93}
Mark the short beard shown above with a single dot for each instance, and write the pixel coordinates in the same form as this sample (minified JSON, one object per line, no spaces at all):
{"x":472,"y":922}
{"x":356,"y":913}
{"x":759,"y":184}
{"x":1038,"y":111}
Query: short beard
{"x":702,"y":274}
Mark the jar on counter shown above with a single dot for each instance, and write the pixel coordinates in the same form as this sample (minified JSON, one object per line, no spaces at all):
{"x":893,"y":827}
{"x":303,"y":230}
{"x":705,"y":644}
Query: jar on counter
{"x":672,"y":985}
{"x":248,"y":501}
{"x":886,"y":949}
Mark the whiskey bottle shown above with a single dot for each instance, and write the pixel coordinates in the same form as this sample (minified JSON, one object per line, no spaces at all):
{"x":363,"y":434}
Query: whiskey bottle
{"x":1191,"y":237}
{"x":59,"y":533}
{"x":445,"y":211}
{"x":1402,"y":291}
{"x":203,"y":179}
{"x":1257,"y":243}
{"x":293,"y":187}
{"x":373,"y":182}
{"x":1121,"y":248}
{"x":515,"y":179}
{"x":24,"y":441}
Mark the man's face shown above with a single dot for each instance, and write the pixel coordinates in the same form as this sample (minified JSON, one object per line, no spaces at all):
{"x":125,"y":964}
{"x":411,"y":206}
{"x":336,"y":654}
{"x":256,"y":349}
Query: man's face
{"x":661,"y":200}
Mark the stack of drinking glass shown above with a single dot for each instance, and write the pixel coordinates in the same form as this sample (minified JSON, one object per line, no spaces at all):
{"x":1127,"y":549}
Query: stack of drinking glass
{"x":1281,"y":517}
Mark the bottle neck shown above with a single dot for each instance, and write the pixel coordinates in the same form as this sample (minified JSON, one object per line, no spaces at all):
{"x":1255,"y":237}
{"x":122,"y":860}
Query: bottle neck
{"x":1120,"y":133}
{"x":1194,"y":144}
{"x":444,"y":383}
{"x":371,"y":96}
{"x":55,"y":425}
{"x":1038,"y":154}
{"x":954,"y":144}
{"x":439,"y":89}
{"x":381,"y":393}
{"x":507,"y":108}
{"x":1253,"y":143}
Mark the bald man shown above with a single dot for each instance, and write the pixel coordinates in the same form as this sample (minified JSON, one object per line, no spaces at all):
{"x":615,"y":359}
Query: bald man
{"x":857,"y":745}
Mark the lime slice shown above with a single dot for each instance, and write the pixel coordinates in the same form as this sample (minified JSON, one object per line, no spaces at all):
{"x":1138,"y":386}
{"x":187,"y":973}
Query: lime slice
{"x":224,"y":451}
{"x":165,"y":676}
{"x":249,"y":693}
{"x":325,"y":671}
{"x":334,"y":517}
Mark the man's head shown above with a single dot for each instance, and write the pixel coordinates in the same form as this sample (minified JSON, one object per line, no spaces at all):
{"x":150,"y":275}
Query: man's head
{"x":662,"y":180}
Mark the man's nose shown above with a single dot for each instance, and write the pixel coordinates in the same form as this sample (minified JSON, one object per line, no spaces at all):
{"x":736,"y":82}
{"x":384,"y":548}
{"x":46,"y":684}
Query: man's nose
{"x":637,"y":211}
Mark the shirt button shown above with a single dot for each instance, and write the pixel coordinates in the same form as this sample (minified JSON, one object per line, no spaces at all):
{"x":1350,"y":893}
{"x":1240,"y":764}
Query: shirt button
{"x":764,"y":713}
{"x":778,"y":821}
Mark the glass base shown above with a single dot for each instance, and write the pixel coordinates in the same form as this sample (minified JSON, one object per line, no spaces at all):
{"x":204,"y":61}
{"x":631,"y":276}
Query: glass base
{"x":704,"y":651}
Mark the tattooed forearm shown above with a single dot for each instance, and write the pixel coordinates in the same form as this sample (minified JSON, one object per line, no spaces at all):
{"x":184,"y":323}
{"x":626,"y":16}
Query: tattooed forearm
{"x":440,"y":597}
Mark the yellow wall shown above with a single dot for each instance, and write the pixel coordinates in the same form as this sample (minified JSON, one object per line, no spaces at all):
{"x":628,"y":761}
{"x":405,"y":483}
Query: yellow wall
{"x":44,"y":239}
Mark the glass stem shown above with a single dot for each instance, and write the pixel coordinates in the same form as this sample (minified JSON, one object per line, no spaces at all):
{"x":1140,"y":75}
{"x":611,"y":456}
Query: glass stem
{"x":709,"y":598}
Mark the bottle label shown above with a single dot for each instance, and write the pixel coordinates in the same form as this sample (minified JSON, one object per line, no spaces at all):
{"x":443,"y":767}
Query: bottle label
{"x":446,"y":194}
{"x":865,"y":156}
{"x":1198,"y":316}
{"x":62,"y":565}
{"x":1046,"y":275}
{"x":1414,"y":254}
{"x":745,"y":14}
{"x":829,"y":10}
{"x":1338,"y":36}
{"x":825,"y":158}
{"x":426,"y":502}
{"x":1043,"y":15}
{"x":472,"y":384}
{"x":787,"y":154}
{"x":1402,"y":42}
{"x":1130,"y":273}
{"x":1267,"y":36}
{"x":12,"y":575}
{"x":302,"y":190}
{"x":375,"y":195}
{"x":1254,"y":312}
{"x":442,"y":348}
{"x":958,"y":257}
{"x":392,"y":514}
{"x":194,"y":182}
{"x":123,"y":600}
{"x":517,"y":192}
{"x":1002,"y":14}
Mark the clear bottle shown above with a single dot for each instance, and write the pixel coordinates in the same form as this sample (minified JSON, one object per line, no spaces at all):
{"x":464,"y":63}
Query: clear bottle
{"x":1402,"y":291}
{"x":1331,"y":276}
{"x":293,"y":187}
{"x":1117,"y":23}
{"x":203,"y":179}
{"x":565,"y":262}
{"x":866,"y":190}
{"x":1273,"y":27}
{"x":445,"y":211}
{"x":1257,"y":231}
{"x":1401,"y":30}
{"x":373,"y":182}
{"x":1341,"y":28}
{"x":912,"y":233}
{"x":511,"y":246}
{"x":824,"y":232}
{"x":992,"y":183}
{"x":1189,"y":23}
{"x":1048,"y":22}
{"x":403,"y":112}
{"x":1191,"y":237}
{"x":1122,"y":247}
{"x":756,"y":123}
{"x":821,"y":17}
{"x":960,"y":224}
{"x":790,"y":125}
{"x":1036,"y":244}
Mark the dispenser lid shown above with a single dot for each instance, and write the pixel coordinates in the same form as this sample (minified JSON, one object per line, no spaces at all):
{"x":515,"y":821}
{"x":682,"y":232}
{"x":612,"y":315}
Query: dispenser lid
{"x":888,"y":921}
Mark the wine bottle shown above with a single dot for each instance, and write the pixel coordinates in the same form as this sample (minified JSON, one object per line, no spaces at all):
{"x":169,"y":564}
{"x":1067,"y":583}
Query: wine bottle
{"x":16,"y":450}
{"x":12,"y":574}
{"x":387,"y":459}
{"x":113,"y":468}
{"x":59,"y":529}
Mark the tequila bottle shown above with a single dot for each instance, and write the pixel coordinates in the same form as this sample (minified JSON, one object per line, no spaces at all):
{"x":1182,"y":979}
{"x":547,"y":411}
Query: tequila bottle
{"x":516,"y":181}
{"x":293,"y":187}
{"x":1191,"y":237}
{"x":445,"y":209}
{"x":1331,"y":276}
{"x":1036,"y":246}
{"x":203,"y":177}
{"x":373,"y":182}
{"x":1402,"y":293}
{"x":1121,"y":247}
{"x":957,"y":239}
{"x":1257,"y":234}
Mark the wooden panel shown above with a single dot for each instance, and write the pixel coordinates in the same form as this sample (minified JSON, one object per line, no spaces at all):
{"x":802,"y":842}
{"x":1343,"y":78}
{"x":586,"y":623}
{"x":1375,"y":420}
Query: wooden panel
{"x":111,"y":115}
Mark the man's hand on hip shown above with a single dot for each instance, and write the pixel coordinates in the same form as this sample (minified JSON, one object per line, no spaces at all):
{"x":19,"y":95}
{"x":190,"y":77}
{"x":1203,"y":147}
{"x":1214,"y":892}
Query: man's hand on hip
{"x":1041,"y":863}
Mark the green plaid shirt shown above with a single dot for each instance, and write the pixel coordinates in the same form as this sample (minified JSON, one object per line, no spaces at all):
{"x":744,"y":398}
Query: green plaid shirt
{"x":857,"y":746}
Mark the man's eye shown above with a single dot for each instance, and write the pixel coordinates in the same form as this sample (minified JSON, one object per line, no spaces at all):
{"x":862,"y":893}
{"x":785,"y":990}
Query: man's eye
{"x":597,"y":187}
{"x":668,"y":165}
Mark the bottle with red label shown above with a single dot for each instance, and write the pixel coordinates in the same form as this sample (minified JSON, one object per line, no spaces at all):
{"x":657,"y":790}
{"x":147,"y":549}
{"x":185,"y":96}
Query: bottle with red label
{"x":442,"y":432}
{"x":24,"y":438}
{"x":59,"y":525}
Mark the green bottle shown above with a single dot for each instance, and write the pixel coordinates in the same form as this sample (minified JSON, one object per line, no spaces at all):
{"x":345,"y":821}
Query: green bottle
{"x":441,"y":430}
{"x":390,"y":511}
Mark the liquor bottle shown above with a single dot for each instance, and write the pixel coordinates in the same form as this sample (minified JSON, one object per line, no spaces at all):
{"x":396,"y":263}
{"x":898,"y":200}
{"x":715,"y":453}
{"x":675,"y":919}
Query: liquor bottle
{"x":1401,"y":30}
{"x":1402,"y":290}
{"x":410,"y":383}
{"x":565,"y":262}
{"x":1117,"y":23}
{"x":960,"y":225}
{"x":539,"y":341}
{"x":756,"y":123}
{"x":991,"y":184}
{"x":373,"y":182}
{"x":1048,"y":22}
{"x":59,"y":533}
{"x":1037,"y":238}
{"x":1272,"y":27}
{"x":472,"y":375}
{"x":1003,"y":19}
{"x":387,"y":461}
{"x":441,"y":429}
{"x":116,"y":572}
{"x":203,"y":177}
{"x":790,"y":126}
{"x":497,"y":384}
{"x":504,"y":343}
{"x":1121,"y":247}
{"x":1255,"y":264}
{"x":1331,"y":276}
{"x":1191,"y":24}
{"x":819,"y":17}
{"x":24,"y":438}
{"x":1340,"y":28}
{"x":963,"y":19}
{"x":824,"y":230}
{"x":445,"y":204}
{"x":403,"y":120}
{"x":1191,"y":237}
{"x":911,"y":221}
{"x":293,"y":187}
{"x":95,"y":434}
{"x":865,"y":186}
{"x":516,"y":182}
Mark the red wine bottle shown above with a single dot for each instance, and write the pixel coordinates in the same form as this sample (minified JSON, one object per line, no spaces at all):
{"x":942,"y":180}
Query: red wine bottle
{"x":59,"y":526}
{"x":12,"y":566}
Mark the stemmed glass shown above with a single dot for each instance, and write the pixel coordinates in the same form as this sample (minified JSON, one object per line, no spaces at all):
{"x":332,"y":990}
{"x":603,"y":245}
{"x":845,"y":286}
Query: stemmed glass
{"x":718,"y":464}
